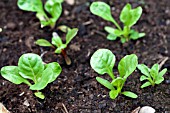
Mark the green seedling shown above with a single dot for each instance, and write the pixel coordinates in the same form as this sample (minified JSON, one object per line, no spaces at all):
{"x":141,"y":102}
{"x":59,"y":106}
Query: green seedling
{"x":31,"y":67}
{"x":53,"y":7}
{"x":128,"y":17}
{"x":58,"y":44}
{"x":152,"y":76}
{"x":103,"y":60}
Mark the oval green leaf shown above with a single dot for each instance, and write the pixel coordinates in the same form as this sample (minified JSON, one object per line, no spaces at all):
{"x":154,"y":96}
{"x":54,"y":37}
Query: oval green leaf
{"x":39,"y":95}
{"x":56,"y":68}
{"x":105,"y":83}
{"x":54,"y":8}
{"x":46,"y":78}
{"x":102,"y":61}
{"x":30,"y":66}
{"x":130,"y":16}
{"x":43,"y":42}
{"x":146,"y":84}
{"x":30,"y":5}
{"x":144,"y":69}
{"x":129,"y":94}
{"x":127,"y":65}
{"x":101,"y":9}
{"x":71,"y":34}
{"x":56,"y":40}
{"x":11,"y":73}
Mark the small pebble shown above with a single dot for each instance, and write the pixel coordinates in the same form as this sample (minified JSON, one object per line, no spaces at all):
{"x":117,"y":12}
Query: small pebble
{"x":26,"y":103}
{"x":147,"y":109}
{"x":11,"y":25}
{"x":0,"y":29}
{"x":167,"y":81}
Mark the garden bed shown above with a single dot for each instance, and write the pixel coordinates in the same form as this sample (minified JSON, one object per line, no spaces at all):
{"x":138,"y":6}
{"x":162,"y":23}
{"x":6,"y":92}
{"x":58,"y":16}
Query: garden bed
{"x":76,"y":87}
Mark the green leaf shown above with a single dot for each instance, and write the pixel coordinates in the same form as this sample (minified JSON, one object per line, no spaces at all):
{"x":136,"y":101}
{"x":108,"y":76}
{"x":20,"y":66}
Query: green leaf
{"x":130,"y":16}
{"x":39,"y":95}
{"x":102,"y":61}
{"x":159,"y":80}
{"x":56,"y":40}
{"x":144,"y":69}
{"x":110,"y":30}
{"x":71,"y":34}
{"x":43,"y":42}
{"x":113,"y":94}
{"x":118,"y":32}
{"x":123,"y":40}
{"x":30,"y":5}
{"x":64,"y":28}
{"x":143,"y":77}
{"x":105,"y":83}
{"x":135,"y":35}
{"x":154,"y":71}
{"x":111,"y":37}
{"x":30,"y":66}
{"x":102,"y":10}
{"x":54,"y":8}
{"x":118,"y":82}
{"x":129,"y":94}
{"x":56,"y":68}
{"x":162,"y":72}
{"x":127,"y":65}
{"x":60,"y":48}
{"x":46,"y":78}
{"x":11,"y":73}
{"x":44,"y":20}
{"x":146,"y":84}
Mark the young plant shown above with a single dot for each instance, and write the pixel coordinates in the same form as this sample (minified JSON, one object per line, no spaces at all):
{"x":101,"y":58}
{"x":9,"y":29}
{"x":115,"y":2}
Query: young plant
{"x":152,"y":76}
{"x":103,"y":60}
{"x":128,"y":17}
{"x":53,"y":7}
{"x":58,"y":44}
{"x":31,"y":67}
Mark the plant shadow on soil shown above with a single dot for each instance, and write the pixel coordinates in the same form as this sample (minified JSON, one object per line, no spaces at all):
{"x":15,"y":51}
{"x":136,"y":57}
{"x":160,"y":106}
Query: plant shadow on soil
{"x":76,"y":88}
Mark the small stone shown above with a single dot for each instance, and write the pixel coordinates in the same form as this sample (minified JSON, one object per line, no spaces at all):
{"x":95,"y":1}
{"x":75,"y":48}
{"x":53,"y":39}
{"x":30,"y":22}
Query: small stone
{"x":70,"y":2}
{"x":75,"y":47}
{"x":167,"y":22}
{"x":0,"y":29}
{"x":147,"y":109}
{"x":26,"y":103}
{"x":167,"y":81}
{"x":11,"y":25}
{"x":102,"y":104}
{"x":167,"y":111}
{"x":66,"y":12}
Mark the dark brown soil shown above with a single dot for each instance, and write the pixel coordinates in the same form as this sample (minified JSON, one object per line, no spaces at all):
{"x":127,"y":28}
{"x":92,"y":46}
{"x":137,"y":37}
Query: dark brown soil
{"x":76,"y":88}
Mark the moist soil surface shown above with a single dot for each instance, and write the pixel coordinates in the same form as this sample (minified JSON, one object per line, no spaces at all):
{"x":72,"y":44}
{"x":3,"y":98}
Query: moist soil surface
{"x":76,"y":88}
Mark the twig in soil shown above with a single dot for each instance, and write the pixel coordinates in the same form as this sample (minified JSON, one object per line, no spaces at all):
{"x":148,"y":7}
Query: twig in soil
{"x":42,"y":54}
{"x":100,"y":33}
{"x":163,"y":61}
{"x":88,"y":22}
{"x":66,"y":111}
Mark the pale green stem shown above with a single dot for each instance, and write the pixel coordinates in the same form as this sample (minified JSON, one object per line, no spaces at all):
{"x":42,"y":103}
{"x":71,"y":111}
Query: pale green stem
{"x":111,"y":74}
{"x":116,"y":24}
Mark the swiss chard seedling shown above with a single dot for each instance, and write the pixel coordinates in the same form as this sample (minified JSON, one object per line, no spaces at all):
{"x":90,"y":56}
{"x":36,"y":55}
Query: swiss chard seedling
{"x":103,"y":60}
{"x":151,"y":76}
{"x":31,"y":67}
{"x":58,"y":44}
{"x":53,"y":7}
{"x":128,"y":17}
